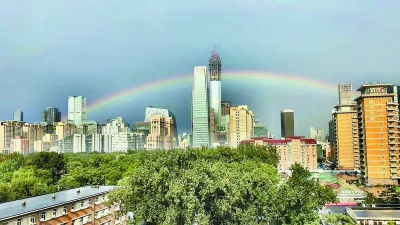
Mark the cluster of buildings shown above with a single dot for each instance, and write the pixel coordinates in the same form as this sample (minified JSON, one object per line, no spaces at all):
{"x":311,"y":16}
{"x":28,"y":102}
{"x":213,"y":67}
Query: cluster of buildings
{"x":365,"y":132}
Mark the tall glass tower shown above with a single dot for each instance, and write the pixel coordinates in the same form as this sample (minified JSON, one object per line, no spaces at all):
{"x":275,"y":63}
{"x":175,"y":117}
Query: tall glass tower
{"x":214,"y":64}
{"x":200,"y":108}
{"x":77,"y":109}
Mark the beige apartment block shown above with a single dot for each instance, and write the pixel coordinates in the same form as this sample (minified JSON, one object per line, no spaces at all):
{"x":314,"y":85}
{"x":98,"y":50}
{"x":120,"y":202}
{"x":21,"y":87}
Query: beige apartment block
{"x":291,"y":150}
{"x":162,"y":132}
{"x":379,"y":143}
{"x":19,"y":145}
{"x":33,"y":132}
{"x":241,"y":125}
{"x":9,"y":130}
{"x":64,"y":129}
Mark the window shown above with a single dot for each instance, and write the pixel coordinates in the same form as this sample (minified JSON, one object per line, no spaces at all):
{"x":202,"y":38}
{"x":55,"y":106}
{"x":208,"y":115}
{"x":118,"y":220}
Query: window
{"x":73,"y":222}
{"x":19,"y":221}
{"x":54,"y":213}
{"x":73,"y":208}
{"x":81,"y":204}
{"x":90,"y":202}
{"x":33,"y":219}
{"x":63,"y":223}
{"x":81,"y":220}
{"x":96,"y":200}
{"x":65,"y":210}
{"x":43,"y":218}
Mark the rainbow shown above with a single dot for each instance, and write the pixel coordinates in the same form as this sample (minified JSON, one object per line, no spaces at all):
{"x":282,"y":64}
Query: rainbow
{"x":229,"y":75}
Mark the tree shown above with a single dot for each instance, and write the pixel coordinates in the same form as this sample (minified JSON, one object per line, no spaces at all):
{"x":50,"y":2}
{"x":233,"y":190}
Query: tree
{"x":219,"y":186}
{"x":339,"y":219}
{"x":371,"y":199}
{"x":391,"y":223}
{"x":51,"y":161}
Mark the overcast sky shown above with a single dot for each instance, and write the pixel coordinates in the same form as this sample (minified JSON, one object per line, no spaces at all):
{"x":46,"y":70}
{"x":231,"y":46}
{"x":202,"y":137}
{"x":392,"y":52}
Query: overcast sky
{"x":52,"y":49}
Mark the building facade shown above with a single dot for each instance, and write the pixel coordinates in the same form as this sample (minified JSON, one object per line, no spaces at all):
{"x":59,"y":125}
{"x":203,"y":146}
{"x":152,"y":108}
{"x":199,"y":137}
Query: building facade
{"x":200,"y":108}
{"x":378,"y":130}
{"x":51,"y":115}
{"x":317,"y":134}
{"x":345,"y":94}
{"x":77,"y":109}
{"x":64,"y":129}
{"x":162,"y":133}
{"x":291,"y":150}
{"x":287,"y":123}
{"x":19,"y":145}
{"x":76,"y":206}
{"x":241,"y":125}
{"x":226,"y":107}
{"x":260,"y":130}
{"x":9,"y":130}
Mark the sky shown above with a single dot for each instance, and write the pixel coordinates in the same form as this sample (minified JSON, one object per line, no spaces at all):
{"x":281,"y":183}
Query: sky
{"x":50,"y":50}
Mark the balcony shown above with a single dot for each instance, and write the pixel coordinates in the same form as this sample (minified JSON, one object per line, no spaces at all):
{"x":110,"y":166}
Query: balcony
{"x":392,"y":125}
{"x":393,"y":159}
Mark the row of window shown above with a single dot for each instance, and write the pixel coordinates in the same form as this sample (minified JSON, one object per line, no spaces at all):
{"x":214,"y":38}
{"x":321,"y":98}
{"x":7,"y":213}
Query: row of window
{"x":81,"y":220}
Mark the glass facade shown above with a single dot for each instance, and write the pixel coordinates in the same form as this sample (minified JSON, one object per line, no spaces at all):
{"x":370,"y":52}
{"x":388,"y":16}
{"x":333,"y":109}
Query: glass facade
{"x":200,"y":108}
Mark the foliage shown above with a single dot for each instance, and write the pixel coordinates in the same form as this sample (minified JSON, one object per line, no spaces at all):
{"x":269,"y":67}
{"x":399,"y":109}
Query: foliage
{"x":339,"y":219}
{"x":219,"y":186}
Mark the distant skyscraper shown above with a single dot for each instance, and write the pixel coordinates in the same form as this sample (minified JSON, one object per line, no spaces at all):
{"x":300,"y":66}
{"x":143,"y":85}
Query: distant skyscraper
{"x":287,"y":123}
{"x":225,"y":107}
{"x":345,"y":94}
{"x":259,"y":129}
{"x":77,"y":109}
{"x":317,"y":134}
{"x":51,"y":115}
{"x":200,"y":108}
{"x":214,"y":64}
{"x":18,"y":116}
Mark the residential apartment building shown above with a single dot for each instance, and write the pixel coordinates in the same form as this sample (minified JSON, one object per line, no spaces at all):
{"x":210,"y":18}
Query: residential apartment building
{"x":19,"y":145}
{"x":291,"y":150}
{"x":346,"y":140}
{"x":64,"y":130}
{"x":72,"y":207}
{"x":162,"y":133}
{"x":378,"y":130}
{"x":241,"y":125}
{"x":9,"y":130}
{"x":33,"y":132}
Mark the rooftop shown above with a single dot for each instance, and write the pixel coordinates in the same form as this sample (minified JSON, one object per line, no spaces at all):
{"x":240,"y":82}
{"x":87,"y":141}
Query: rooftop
{"x":374,"y":213}
{"x":15,"y":208}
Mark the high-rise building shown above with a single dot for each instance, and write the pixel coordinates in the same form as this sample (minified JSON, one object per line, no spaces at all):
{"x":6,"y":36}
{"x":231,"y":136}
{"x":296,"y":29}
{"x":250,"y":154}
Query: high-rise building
{"x":378,"y":126}
{"x":200,"y":108}
{"x":19,"y":145}
{"x":162,"y":133}
{"x":64,"y":129}
{"x":345,"y":94}
{"x":345,"y":143}
{"x":225,"y":107}
{"x":260,"y":130}
{"x":214,"y":64}
{"x":291,"y":150}
{"x":317,"y":134}
{"x":51,"y":115}
{"x":287,"y":123}
{"x":77,"y":109}
{"x":33,"y":132}
{"x":18,"y":116}
{"x":241,"y":125}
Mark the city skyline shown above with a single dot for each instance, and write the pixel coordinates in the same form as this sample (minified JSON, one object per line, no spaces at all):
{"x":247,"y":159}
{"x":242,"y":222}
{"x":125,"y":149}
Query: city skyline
{"x":99,"y":57}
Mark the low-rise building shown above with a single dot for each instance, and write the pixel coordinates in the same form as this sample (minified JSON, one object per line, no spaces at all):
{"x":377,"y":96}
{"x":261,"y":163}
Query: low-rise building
{"x":374,"y":215}
{"x":76,"y":206}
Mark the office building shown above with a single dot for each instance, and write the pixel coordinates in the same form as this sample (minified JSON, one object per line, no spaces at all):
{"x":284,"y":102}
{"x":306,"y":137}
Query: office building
{"x":150,"y":111}
{"x":378,"y":130}
{"x":200,"y":108}
{"x":77,"y":109}
{"x":287,"y":123}
{"x":260,"y":130}
{"x":89,"y":127}
{"x":225,"y":107}
{"x":51,"y":115}
{"x":214,"y":64}
{"x":94,"y":143}
{"x":18,"y":116}
{"x":122,"y":142}
{"x":118,"y":125}
{"x":162,"y":133}
{"x":345,"y":94}
{"x":317,"y":134}
{"x":82,"y":205}
{"x":19,"y":145}
{"x":291,"y":150}
{"x":9,"y":130}
{"x":241,"y":125}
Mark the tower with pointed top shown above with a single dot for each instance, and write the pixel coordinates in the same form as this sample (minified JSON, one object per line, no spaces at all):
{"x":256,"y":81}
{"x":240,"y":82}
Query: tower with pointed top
{"x":214,"y":65}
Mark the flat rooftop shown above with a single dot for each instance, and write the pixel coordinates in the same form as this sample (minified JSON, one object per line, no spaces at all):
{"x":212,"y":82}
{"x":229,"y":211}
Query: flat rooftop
{"x":13,"y":209}
{"x":380,"y":214}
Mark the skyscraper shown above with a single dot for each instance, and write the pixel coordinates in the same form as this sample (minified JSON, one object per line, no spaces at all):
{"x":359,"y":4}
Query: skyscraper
{"x":77,"y":109}
{"x":225,"y":107}
{"x":51,"y":115}
{"x":241,"y":125}
{"x":287,"y":123}
{"x":18,"y":116}
{"x":200,"y":108}
{"x":317,"y":134}
{"x":214,"y":64}
{"x":345,"y":94}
